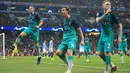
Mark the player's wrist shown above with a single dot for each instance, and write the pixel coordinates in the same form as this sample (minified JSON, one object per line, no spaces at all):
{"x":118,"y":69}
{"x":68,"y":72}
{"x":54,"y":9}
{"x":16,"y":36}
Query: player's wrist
{"x":103,"y":16}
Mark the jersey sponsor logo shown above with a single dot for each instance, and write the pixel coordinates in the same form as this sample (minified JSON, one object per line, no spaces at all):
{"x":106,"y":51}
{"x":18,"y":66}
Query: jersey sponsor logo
{"x":69,"y":23}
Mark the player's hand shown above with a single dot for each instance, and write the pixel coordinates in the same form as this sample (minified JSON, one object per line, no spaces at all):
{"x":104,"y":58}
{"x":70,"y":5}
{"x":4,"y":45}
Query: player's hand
{"x":82,"y":43}
{"x":37,"y":27}
{"x":125,"y":40}
{"x":108,"y":11}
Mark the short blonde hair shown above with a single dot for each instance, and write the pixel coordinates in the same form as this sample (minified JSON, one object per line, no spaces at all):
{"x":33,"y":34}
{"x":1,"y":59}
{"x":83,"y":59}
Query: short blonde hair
{"x":105,"y":1}
{"x":32,"y":6}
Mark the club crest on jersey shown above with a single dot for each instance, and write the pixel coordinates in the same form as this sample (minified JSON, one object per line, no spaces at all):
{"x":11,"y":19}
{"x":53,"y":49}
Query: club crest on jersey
{"x":72,"y":45}
{"x":97,"y":14}
{"x":69,"y":23}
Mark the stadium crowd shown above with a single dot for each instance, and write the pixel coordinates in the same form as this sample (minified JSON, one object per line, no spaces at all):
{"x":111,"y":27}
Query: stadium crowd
{"x":16,"y":15}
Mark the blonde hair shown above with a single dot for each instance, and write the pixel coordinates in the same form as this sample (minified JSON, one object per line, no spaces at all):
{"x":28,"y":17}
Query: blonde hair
{"x":32,"y":6}
{"x":105,"y":1}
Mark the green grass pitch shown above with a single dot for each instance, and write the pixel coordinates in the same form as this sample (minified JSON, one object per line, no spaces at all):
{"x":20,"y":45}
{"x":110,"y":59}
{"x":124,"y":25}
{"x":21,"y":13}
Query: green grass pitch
{"x":28,"y":65}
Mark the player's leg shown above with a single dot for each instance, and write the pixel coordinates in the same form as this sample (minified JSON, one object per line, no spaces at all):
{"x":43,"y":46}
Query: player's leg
{"x":52,"y":56}
{"x":22,"y":34}
{"x":120,"y":49}
{"x":108,"y":48}
{"x":61,"y":52}
{"x":121,"y":56}
{"x":87,"y":56}
{"x":35,"y":36}
{"x":39,"y":53}
{"x":70,"y":60}
{"x":101,"y":50}
{"x":51,"y":53}
{"x":13,"y":53}
{"x":70,"y":50}
{"x":126,"y":49}
{"x":43,"y":52}
{"x":46,"y":53}
{"x":80,"y":52}
{"x":87,"y":52}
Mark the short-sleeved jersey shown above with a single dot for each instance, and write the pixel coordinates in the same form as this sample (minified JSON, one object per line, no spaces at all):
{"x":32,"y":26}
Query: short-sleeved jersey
{"x":70,"y":27}
{"x":123,"y":38}
{"x":51,"y":44}
{"x":34,"y":20}
{"x":44,"y":46}
{"x":107,"y":23}
{"x":86,"y":42}
{"x":81,"y":47}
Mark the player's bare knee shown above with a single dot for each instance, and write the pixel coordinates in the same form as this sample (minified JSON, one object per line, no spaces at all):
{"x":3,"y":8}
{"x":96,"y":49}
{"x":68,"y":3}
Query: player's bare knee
{"x":69,"y":52}
{"x":22,"y":34}
{"x":121,"y":52}
{"x":58,"y":52}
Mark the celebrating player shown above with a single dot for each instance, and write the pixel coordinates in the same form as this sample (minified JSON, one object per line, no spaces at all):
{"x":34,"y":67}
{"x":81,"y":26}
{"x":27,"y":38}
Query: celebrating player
{"x":106,"y":20}
{"x":33,"y":30}
{"x":70,"y":38}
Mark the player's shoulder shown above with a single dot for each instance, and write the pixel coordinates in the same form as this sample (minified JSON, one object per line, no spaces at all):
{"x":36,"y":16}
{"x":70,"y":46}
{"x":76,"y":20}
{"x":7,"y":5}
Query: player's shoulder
{"x":36,"y":14}
{"x":73,"y":18}
{"x":112,"y":13}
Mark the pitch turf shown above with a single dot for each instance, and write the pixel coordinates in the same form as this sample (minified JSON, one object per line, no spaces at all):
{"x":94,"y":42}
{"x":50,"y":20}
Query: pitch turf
{"x":28,"y":65}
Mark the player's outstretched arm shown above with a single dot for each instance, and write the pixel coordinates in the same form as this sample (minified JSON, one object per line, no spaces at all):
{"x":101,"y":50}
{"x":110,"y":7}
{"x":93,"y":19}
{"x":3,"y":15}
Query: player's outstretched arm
{"x":81,"y":35}
{"x":120,"y":32}
{"x":40,"y":24}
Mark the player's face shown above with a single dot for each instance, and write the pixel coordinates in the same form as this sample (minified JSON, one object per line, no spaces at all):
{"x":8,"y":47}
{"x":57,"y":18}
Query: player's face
{"x":107,"y":5}
{"x":31,"y":9}
{"x":64,"y":12}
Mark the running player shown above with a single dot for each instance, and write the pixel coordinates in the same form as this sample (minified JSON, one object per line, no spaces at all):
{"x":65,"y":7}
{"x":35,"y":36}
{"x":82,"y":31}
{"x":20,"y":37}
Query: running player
{"x":51,"y":48}
{"x":106,"y":20}
{"x":87,"y":48}
{"x":122,"y":47}
{"x":44,"y":48}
